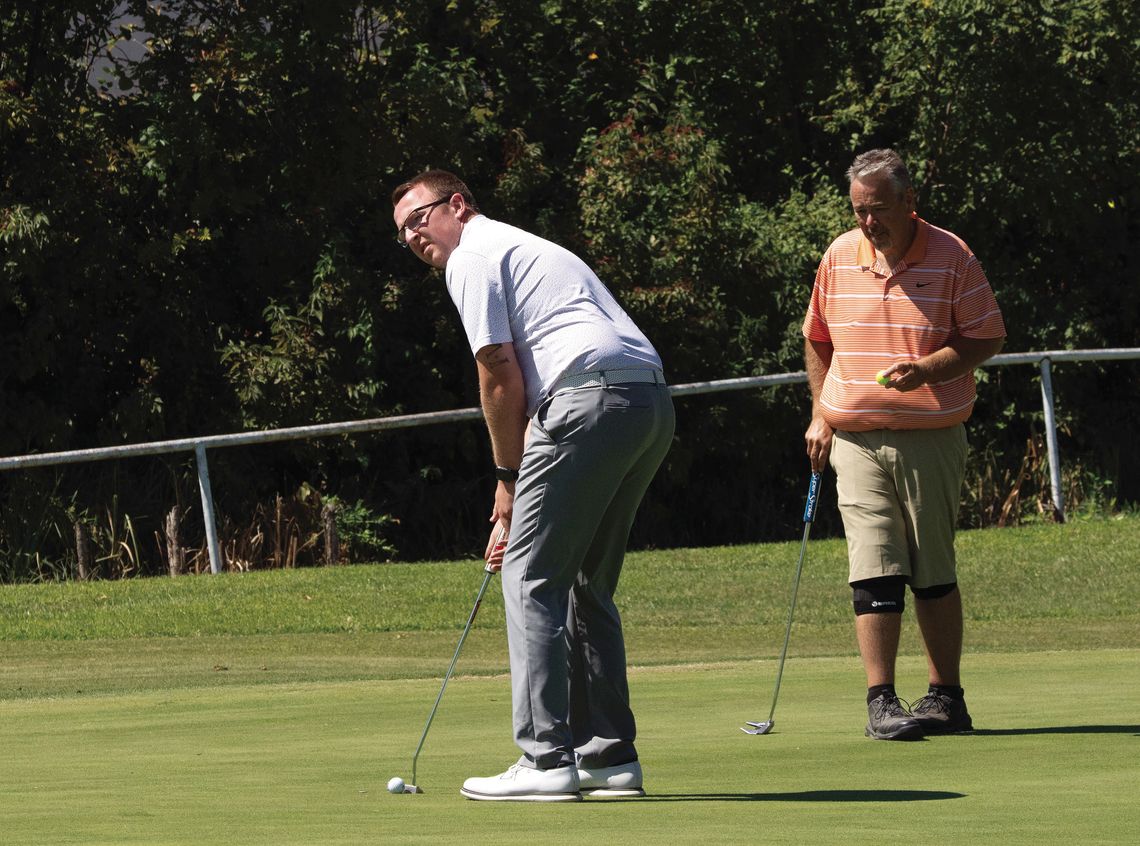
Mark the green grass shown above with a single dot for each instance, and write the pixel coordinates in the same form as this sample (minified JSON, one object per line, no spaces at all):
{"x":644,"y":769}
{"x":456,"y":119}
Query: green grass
{"x":273,"y":707}
{"x":1034,"y":588}
{"x":1055,"y":762}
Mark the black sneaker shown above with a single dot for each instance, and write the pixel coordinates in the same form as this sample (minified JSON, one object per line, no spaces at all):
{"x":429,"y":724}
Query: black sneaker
{"x":938,"y":713}
{"x":887,"y":719}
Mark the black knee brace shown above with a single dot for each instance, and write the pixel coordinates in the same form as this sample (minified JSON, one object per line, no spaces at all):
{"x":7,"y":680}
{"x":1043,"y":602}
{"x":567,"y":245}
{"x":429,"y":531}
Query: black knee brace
{"x":884,"y":595}
{"x":934,"y":592}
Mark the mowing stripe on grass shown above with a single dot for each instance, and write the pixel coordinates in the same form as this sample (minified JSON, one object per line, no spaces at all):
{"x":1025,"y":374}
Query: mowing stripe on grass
{"x":1054,"y":761}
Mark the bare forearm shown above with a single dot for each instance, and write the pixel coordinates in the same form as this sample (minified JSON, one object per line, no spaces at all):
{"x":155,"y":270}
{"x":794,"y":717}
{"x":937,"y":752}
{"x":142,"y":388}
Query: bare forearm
{"x":506,"y":425}
{"x":818,"y":437}
{"x":959,"y":356}
{"x":817,"y":361}
{"x":503,"y":398}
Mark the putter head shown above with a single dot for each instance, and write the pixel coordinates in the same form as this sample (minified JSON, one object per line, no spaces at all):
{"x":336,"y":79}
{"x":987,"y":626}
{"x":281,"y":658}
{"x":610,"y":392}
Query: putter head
{"x":758,"y":728}
{"x":411,"y":788}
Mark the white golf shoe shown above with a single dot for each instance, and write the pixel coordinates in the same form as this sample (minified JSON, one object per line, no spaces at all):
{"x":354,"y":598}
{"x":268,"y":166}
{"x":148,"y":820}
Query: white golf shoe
{"x":619,"y":780}
{"x":525,"y":784}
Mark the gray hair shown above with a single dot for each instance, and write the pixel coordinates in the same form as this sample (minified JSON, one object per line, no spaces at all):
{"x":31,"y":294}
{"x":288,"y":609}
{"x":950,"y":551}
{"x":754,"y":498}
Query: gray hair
{"x":880,"y":161}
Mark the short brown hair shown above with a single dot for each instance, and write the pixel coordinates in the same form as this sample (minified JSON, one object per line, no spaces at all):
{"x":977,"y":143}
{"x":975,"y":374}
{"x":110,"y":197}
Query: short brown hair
{"x":442,"y":183}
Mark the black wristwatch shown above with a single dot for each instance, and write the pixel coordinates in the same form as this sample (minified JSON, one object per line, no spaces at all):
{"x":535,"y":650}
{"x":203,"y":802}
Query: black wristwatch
{"x":506,"y":474}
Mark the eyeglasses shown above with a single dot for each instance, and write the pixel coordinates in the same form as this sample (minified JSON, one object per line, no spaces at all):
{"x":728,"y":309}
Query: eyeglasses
{"x":415,"y":220}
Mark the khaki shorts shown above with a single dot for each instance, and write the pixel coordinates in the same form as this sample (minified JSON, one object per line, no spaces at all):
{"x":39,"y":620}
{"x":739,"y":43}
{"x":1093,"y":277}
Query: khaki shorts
{"x":899,"y":492}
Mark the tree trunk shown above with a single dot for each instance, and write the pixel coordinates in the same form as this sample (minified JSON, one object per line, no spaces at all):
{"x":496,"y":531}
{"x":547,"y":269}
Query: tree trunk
{"x":175,"y":552}
{"x":278,"y":550}
{"x":332,"y":540}
{"x":83,"y":551}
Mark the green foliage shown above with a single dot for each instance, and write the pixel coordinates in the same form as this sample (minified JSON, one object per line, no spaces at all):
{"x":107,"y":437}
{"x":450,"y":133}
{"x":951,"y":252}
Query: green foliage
{"x":1022,"y":138}
{"x":198,"y":240}
{"x":647,"y":197}
{"x":115,"y":536}
{"x":364,"y":535}
{"x":292,"y":370}
{"x":32,"y":537}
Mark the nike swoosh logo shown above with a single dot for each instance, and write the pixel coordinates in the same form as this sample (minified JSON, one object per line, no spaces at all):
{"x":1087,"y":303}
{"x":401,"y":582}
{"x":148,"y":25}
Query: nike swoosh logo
{"x":921,"y":284}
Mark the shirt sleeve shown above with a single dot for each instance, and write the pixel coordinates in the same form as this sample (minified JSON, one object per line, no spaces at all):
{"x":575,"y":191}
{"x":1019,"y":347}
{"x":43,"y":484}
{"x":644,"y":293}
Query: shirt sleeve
{"x":815,"y":323}
{"x":476,"y":288}
{"x":976,"y":311}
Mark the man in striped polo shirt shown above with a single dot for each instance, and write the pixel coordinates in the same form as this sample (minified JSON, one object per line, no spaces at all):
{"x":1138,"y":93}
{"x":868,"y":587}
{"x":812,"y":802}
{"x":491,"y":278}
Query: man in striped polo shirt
{"x":900,"y":315}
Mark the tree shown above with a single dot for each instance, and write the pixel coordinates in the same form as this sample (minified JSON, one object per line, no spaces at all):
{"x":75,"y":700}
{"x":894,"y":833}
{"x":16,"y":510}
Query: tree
{"x":195,"y":235}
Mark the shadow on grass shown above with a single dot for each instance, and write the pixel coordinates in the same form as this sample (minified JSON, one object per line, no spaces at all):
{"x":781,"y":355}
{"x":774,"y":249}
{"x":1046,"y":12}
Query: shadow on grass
{"x":809,"y":796}
{"x":1059,"y":730}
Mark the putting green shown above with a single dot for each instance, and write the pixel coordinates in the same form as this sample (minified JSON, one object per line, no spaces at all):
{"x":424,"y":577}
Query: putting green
{"x":1054,"y":761}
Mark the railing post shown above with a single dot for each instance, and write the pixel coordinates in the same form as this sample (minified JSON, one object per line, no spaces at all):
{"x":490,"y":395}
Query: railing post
{"x":208,"y":509}
{"x":1051,"y":440}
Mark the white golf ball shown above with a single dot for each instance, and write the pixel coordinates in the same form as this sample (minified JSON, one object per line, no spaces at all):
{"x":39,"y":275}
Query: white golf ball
{"x":396,"y":785}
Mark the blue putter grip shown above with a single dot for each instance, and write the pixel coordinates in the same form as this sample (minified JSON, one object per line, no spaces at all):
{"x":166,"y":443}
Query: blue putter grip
{"x":812,"y":499}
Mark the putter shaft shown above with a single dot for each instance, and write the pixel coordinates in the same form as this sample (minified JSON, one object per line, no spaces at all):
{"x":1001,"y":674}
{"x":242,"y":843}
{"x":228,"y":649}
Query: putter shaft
{"x":809,"y":518}
{"x":788,"y":627}
{"x":488,"y":573}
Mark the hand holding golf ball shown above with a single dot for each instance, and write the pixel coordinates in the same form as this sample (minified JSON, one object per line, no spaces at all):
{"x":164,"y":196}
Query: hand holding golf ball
{"x":396,"y":785}
{"x":903,"y":376}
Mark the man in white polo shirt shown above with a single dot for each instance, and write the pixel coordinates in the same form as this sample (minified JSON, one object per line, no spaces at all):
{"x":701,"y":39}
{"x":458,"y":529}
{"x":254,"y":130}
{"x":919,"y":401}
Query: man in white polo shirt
{"x":580,"y":419}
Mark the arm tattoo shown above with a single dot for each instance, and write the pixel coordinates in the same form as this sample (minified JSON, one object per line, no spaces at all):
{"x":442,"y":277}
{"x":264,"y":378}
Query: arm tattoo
{"x":492,"y":356}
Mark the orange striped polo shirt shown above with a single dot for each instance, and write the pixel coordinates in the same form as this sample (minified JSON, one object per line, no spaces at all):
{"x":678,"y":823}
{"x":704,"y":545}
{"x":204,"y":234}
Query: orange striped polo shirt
{"x":937,"y":293}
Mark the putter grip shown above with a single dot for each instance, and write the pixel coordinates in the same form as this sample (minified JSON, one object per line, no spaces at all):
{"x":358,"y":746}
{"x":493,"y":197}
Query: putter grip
{"x":498,"y":547}
{"x":812,"y":499}
{"x":500,"y":544}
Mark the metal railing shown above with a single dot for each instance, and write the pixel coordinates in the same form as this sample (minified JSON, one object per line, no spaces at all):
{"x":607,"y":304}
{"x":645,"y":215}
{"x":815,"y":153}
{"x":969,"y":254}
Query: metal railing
{"x":199,"y":446}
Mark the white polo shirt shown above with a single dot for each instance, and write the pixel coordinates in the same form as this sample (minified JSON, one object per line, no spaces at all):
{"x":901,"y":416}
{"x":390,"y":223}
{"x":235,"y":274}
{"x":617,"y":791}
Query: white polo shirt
{"x":512,"y":286}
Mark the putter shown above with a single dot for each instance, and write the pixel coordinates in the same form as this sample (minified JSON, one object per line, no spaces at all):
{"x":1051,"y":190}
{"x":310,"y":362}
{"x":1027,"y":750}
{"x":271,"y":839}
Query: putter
{"x":809,"y":515}
{"x":488,"y":572}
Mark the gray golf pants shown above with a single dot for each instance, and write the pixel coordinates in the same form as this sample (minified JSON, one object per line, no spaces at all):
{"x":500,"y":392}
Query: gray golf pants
{"x":590,"y":456}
